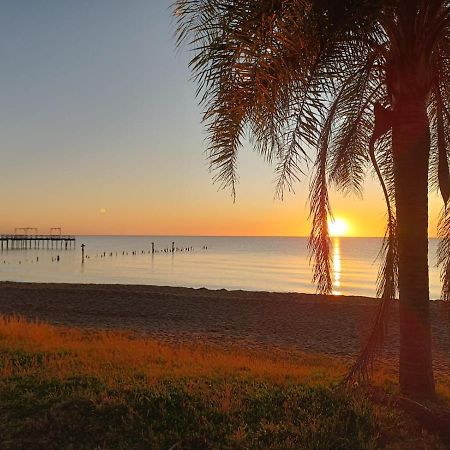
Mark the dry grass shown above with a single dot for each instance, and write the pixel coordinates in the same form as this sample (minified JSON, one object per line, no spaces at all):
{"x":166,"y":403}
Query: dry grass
{"x":116,"y":356}
{"x":112,"y":355}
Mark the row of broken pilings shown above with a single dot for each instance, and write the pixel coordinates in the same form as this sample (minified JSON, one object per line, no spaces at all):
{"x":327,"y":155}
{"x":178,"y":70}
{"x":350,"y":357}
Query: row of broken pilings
{"x":172,"y":249}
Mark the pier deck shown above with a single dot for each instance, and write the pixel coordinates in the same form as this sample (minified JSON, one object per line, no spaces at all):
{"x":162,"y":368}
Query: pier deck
{"x":27,"y":241}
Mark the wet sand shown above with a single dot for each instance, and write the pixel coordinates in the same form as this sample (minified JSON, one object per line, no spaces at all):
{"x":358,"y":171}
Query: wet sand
{"x":335,"y":325}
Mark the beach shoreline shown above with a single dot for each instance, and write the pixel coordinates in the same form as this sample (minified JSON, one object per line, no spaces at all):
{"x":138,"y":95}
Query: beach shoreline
{"x":334,"y":325}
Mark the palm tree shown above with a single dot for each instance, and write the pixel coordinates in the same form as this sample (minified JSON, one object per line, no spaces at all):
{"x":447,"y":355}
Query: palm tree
{"x":358,"y":85}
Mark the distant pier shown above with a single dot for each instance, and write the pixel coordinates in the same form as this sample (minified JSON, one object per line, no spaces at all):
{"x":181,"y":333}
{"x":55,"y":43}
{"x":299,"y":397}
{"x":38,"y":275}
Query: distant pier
{"x":37,"y":241}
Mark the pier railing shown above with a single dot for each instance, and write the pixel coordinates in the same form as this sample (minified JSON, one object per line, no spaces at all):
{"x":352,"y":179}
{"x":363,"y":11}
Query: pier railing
{"x":25,"y":241}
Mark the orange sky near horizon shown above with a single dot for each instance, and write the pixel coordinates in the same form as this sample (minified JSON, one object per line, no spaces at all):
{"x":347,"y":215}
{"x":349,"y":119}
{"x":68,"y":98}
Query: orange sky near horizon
{"x":202,"y":219}
{"x":157,"y":206}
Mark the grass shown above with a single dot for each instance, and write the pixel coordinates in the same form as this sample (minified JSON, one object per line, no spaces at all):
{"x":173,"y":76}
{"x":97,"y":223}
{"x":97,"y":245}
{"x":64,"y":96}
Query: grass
{"x":65,"y":388}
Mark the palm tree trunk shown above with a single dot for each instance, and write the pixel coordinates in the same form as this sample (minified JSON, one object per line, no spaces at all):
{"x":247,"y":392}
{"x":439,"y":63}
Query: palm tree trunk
{"x":411,"y":146}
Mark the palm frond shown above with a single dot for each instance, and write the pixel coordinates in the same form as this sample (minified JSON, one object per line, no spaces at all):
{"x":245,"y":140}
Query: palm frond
{"x":248,"y":69}
{"x":441,"y":145}
{"x":349,"y":155}
{"x":386,"y":290}
{"x":387,"y":282}
{"x":443,"y":253}
{"x":440,"y":154}
{"x":319,"y":243}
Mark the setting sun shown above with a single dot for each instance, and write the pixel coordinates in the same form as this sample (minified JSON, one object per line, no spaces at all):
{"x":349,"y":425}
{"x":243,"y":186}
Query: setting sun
{"x":338,"y":227}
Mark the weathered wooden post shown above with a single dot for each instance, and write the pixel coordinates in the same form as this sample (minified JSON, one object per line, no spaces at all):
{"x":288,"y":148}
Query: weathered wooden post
{"x":82,"y":253}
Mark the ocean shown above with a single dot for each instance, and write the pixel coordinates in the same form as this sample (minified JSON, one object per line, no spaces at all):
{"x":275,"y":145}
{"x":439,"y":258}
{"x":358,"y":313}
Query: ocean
{"x":249,"y":263}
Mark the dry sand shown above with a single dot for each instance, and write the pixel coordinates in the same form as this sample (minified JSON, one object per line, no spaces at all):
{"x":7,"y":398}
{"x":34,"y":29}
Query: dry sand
{"x":334,"y":325}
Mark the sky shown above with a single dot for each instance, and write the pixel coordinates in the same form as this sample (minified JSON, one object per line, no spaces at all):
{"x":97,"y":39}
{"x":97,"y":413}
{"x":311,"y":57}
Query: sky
{"x":100,"y":133}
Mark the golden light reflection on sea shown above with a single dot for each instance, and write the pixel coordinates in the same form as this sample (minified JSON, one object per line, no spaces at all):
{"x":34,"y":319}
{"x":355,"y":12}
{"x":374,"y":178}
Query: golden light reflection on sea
{"x":337,"y":267}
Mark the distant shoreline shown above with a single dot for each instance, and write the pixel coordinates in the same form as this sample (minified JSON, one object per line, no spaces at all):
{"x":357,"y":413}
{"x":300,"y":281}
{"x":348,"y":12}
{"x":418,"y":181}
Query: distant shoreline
{"x":335,"y":325}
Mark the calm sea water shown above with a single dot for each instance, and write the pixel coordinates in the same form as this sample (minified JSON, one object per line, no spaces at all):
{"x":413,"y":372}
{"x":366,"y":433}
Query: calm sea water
{"x":250,"y":263}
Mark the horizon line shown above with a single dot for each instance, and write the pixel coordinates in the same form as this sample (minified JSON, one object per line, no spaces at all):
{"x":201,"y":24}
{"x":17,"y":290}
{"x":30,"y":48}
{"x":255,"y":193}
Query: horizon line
{"x":227,"y":235}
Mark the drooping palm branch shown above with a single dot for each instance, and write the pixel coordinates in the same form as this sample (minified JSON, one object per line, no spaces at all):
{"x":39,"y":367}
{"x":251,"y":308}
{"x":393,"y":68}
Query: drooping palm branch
{"x":311,"y":80}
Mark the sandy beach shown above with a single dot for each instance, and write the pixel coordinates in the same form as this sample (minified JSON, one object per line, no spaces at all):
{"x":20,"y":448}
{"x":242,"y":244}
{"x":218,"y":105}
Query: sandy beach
{"x":335,"y":325}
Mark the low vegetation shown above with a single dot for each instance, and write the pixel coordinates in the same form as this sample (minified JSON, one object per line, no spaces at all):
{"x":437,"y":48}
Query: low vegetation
{"x":65,"y":388}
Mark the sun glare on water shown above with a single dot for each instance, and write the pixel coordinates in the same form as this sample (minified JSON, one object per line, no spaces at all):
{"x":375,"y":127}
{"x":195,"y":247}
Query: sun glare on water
{"x":338,"y":227}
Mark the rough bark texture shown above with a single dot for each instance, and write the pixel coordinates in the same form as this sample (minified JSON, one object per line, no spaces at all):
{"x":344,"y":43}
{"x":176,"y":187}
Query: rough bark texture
{"x":411,"y":146}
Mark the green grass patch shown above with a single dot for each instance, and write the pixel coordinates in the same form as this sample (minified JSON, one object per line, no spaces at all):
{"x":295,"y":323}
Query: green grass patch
{"x":83,"y":413}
